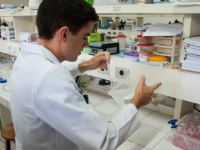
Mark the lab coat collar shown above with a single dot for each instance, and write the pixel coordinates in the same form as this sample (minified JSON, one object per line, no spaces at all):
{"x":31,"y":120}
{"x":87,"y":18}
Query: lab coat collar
{"x":40,"y":50}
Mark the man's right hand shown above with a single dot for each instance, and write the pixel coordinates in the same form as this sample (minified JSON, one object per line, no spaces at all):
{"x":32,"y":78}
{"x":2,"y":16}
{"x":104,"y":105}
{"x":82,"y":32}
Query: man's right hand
{"x":143,"y":93}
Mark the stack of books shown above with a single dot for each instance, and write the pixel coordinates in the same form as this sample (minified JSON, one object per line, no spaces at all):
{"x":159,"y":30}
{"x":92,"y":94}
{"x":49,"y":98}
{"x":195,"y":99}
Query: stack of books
{"x":191,"y":61}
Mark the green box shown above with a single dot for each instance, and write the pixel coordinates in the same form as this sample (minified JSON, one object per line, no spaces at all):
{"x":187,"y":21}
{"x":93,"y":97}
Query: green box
{"x":90,"y":2}
{"x":94,"y":37}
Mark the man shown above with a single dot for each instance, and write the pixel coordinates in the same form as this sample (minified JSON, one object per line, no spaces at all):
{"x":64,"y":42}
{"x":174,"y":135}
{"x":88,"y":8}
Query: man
{"x":47,"y":110}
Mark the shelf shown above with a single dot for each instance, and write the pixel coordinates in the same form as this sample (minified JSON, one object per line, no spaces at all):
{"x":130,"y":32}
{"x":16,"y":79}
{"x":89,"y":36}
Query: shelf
{"x":162,"y":54}
{"x":4,"y":13}
{"x":115,"y":30}
{"x":178,"y":46}
{"x":147,"y":9}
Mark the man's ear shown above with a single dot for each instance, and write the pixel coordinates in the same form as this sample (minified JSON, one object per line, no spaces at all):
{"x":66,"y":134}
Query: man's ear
{"x":64,"y":33}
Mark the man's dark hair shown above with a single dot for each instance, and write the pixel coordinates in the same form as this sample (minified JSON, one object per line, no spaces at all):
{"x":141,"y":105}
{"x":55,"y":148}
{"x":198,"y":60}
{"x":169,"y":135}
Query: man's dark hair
{"x":55,"y":14}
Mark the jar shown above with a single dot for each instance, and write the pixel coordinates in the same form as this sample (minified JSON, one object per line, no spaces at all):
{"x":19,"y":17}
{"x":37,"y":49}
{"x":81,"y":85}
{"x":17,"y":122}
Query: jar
{"x":144,"y":56}
{"x":144,"y":39}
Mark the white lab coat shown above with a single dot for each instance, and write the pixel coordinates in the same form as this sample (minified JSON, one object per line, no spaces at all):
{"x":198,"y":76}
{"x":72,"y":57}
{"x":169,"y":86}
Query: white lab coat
{"x":49,"y":113}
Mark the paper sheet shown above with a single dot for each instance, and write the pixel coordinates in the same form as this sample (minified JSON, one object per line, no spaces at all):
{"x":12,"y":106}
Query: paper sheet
{"x":181,"y":3}
{"x":25,"y":36}
{"x":164,"y":30}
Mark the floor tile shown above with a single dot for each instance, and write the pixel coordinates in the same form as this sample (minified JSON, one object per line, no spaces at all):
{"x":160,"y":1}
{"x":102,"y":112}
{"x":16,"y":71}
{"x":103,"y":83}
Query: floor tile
{"x":127,"y":145}
{"x":144,"y":112}
{"x":158,"y":121}
{"x":95,"y":97}
{"x":166,"y":144}
{"x":147,"y":136}
{"x":2,"y":144}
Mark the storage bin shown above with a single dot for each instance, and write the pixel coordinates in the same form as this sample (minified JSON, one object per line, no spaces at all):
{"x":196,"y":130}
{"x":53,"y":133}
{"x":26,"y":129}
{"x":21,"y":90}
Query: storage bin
{"x":144,"y":56}
{"x":158,"y":58}
{"x":165,"y":41}
{"x":107,"y":109}
{"x":146,"y":47}
{"x":144,"y":39}
{"x":187,"y":134}
{"x":124,"y":91}
{"x":131,"y":56}
{"x":167,"y":50}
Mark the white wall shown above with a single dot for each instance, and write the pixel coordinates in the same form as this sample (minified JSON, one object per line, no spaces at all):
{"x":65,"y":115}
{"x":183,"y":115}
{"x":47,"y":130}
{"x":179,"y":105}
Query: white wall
{"x":15,"y":2}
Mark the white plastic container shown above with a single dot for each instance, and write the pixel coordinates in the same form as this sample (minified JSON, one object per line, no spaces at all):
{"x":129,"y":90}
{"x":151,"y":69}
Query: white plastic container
{"x":122,"y":41}
{"x":144,"y":56}
{"x":167,"y":50}
{"x":124,"y":91}
{"x":107,"y":109}
{"x":146,"y":47}
{"x":144,"y":39}
{"x":165,"y":41}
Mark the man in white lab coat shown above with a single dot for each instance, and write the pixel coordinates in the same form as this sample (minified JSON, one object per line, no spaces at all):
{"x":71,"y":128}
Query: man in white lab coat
{"x":47,"y":110}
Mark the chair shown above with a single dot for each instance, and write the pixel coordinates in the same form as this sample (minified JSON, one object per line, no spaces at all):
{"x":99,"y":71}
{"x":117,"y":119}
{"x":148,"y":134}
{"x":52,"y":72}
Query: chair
{"x":8,"y":133}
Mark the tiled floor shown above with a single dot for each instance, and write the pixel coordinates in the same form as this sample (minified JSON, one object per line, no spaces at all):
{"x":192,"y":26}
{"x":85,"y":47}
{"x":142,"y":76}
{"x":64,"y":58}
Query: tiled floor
{"x":154,"y":133}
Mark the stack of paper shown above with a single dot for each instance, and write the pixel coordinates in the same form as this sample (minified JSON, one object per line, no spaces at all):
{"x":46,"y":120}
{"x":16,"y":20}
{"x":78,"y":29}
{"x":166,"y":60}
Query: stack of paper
{"x":192,"y":57}
{"x":164,"y":30}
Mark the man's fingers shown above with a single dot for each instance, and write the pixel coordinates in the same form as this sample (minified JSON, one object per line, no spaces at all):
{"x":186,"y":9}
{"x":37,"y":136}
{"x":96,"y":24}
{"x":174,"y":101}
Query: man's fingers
{"x":153,"y":95}
{"x":142,"y":80}
{"x":156,"y":86}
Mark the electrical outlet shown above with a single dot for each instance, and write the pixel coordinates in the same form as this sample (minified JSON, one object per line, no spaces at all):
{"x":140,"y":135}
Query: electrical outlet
{"x":121,"y":72}
{"x":103,"y":71}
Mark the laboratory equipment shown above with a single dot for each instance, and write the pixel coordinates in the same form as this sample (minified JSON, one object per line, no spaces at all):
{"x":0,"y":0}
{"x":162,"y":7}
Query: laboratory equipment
{"x":131,"y":56}
{"x":112,"y":47}
{"x":130,"y":24}
{"x":122,"y":43}
{"x":107,"y":109}
{"x":144,"y":55}
{"x":144,"y":39}
{"x":146,"y":47}
{"x":130,"y":45}
{"x":186,"y":135}
{"x":158,"y":58}
{"x":124,"y":91}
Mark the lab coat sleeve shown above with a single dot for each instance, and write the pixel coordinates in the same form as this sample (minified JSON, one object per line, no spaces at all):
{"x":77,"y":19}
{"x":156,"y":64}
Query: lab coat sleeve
{"x":59,"y":104}
{"x":72,"y":67}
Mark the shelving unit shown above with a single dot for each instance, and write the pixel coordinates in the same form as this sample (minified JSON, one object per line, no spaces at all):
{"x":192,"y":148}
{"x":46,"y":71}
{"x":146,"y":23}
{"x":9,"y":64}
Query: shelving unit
{"x":175,"y":57}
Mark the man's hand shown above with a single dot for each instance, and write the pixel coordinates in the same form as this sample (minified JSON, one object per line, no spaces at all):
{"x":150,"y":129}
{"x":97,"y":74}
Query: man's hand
{"x":98,"y":61}
{"x":143,"y":93}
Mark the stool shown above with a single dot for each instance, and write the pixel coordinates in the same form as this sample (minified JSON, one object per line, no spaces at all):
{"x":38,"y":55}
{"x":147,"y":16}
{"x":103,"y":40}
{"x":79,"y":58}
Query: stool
{"x":8,"y":133}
